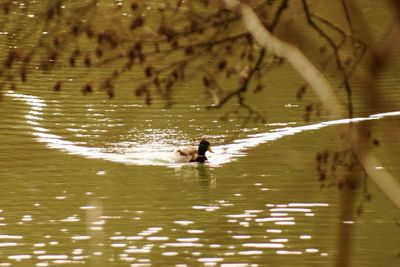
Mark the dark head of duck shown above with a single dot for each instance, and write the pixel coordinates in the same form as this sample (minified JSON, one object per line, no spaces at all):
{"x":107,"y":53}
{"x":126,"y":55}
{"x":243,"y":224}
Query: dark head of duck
{"x":204,"y":146}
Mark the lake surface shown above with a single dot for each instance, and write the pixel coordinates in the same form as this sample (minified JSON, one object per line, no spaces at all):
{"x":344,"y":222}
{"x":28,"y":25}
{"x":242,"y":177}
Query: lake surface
{"x":89,"y":181}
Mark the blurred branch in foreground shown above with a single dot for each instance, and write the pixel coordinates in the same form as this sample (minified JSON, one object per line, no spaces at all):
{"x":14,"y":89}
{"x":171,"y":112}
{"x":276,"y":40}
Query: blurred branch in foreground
{"x":326,"y":95}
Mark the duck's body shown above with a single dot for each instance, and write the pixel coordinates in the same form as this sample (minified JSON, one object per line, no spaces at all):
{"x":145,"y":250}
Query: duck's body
{"x":187,"y":152}
{"x":194,"y":154}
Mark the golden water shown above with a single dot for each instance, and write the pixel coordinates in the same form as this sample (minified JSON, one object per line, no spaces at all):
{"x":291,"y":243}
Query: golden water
{"x":91,"y":181}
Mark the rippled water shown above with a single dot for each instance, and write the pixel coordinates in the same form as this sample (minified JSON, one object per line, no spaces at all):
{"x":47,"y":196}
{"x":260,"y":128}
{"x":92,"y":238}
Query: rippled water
{"x":157,"y":147}
{"x":95,"y":182}
{"x":76,"y":195}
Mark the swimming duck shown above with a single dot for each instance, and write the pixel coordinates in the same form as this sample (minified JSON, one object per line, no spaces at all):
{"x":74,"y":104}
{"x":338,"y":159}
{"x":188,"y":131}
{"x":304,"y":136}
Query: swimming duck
{"x":195,"y":154}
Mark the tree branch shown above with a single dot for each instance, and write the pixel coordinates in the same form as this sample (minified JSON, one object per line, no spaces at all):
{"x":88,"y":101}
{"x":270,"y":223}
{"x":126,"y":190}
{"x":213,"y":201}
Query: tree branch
{"x":243,"y":88}
{"x":336,"y":54}
{"x":324,"y":91}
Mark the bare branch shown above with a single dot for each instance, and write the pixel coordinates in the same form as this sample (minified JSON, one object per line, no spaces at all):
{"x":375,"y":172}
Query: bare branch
{"x":324,"y":91}
{"x":336,"y":54}
{"x":243,"y":88}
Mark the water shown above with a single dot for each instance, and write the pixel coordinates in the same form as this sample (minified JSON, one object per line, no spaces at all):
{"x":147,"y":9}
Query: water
{"x":99,"y":203}
{"x":93,"y":182}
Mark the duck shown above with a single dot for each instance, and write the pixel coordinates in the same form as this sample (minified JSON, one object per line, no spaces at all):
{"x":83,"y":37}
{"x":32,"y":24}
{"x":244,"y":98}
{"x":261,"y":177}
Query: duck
{"x":195,"y":154}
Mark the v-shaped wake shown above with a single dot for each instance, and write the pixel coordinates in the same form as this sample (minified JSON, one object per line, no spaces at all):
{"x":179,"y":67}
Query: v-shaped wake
{"x":161,"y":154}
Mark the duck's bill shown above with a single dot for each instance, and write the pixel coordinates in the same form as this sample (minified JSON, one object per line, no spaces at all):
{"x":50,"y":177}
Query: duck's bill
{"x":209,"y":149}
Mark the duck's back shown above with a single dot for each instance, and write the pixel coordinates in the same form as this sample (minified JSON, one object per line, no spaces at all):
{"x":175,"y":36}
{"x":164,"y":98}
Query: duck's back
{"x":186,"y":153}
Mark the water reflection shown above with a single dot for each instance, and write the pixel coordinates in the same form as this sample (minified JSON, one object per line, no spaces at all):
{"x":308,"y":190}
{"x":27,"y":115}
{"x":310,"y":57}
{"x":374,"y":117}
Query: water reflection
{"x":206,"y":178}
{"x":203,"y":173}
{"x":157,"y":149}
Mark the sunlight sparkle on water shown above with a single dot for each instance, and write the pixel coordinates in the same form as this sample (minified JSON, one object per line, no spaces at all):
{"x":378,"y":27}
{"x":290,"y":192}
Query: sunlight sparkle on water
{"x":250,"y":252}
{"x":150,"y":231}
{"x":264,"y":245}
{"x":290,"y":210}
{"x":77,"y":251}
{"x":71,"y":219}
{"x":169,"y":253}
{"x":276,"y":231}
{"x":19,"y":257}
{"x":8,"y":244}
{"x":206,"y":208}
{"x":274,"y":219}
{"x":205,"y":260}
{"x":280,"y":240}
{"x":241,"y":236}
{"x":286,"y":252}
{"x":308,"y":205}
{"x":88,"y":207}
{"x":52,"y":257}
{"x":253,"y":211}
{"x":80,"y":237}
{"x":137,"y":250}
{"x":134,"y":237}
{"x":157,"y":238}
{"x":184,"y":223}
{"x":117,"y":237}
{"x":118,"y":245}
{"x":188,"y":239}
{"x":11,"y":237}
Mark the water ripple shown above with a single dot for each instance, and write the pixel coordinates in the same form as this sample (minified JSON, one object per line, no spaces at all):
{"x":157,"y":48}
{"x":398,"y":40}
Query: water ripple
{"x":156,"y":151}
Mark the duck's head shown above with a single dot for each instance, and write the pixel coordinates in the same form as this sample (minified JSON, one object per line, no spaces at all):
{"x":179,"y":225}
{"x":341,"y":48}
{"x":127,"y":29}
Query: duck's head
{"x":204,"y":146}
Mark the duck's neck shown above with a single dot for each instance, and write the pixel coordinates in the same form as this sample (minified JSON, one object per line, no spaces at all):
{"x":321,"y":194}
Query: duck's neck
{"x":201,"y":151}
{"x":201,"y":154}
{"x":201,"y":158}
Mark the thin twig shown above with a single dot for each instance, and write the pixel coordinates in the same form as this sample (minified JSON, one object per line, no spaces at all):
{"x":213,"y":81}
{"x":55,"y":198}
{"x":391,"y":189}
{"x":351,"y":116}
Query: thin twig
{"x":243,"y":88}
{"x":337,"y":57}
{"x":324,"y":91}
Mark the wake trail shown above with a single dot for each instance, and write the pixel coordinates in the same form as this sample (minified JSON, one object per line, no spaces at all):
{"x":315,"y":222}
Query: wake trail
{"x":158,"y":154}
